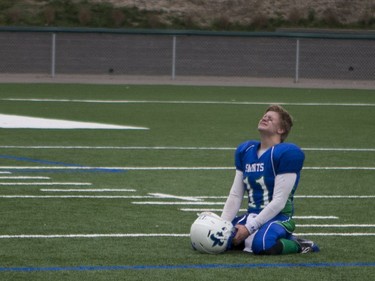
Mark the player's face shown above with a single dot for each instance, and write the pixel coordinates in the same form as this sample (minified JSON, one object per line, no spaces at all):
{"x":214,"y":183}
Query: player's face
{"x":270,"y":123}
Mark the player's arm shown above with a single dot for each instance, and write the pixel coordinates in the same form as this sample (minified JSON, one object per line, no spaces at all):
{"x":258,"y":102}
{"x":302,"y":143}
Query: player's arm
{"x":284,"y":184}
{"x":234,"y":200}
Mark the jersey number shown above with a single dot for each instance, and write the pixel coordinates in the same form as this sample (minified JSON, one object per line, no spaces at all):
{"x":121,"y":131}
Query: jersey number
{"x":263,"y":190}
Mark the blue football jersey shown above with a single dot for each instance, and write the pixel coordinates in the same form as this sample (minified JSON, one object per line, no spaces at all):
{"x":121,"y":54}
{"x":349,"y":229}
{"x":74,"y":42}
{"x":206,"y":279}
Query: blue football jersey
{"x":259,"y":173}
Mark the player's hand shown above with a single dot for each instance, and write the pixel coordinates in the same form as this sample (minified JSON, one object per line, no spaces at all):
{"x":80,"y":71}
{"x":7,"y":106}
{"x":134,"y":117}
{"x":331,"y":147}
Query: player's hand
{"x":241,"y":235}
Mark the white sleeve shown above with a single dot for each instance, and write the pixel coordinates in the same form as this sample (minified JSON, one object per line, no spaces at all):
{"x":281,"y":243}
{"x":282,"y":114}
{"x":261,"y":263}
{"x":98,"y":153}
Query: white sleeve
{"x":234,"y":200}
{"x":284,"y":184}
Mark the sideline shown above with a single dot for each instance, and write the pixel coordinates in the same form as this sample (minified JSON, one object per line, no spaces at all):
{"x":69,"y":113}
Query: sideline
{"x":303,"y":83}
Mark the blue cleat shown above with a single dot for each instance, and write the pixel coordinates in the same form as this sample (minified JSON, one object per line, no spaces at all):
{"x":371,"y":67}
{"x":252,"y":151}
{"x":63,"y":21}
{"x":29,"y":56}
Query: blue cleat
{"x":306,"y":246}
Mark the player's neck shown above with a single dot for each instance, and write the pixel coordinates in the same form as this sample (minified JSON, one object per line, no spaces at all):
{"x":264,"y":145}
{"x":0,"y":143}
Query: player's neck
{"x":269,"y":141}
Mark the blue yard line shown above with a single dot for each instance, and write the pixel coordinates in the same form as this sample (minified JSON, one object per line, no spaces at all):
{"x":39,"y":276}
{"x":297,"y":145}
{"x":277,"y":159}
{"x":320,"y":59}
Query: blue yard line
{"x":47,"y":162}
{"x":191,"y":266}
{"x":63,"y":164}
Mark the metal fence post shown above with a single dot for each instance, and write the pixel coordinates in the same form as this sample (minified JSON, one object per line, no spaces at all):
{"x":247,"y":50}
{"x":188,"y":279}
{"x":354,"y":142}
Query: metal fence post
{"x":174,"y":58}
{"x":296,"y":78}
{"x":297,"y":62}
{"x":53,"y":56}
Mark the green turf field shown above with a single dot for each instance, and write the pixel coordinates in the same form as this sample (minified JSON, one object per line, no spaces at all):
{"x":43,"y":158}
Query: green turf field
{"x":97,"y":204}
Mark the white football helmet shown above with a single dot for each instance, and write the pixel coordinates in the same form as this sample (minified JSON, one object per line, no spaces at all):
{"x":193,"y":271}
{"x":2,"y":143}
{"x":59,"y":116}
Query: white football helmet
{"x":210,"y":233}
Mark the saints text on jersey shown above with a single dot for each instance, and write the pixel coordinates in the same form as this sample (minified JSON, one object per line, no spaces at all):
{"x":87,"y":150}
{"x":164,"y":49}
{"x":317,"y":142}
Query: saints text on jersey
{"x":256,"y":167}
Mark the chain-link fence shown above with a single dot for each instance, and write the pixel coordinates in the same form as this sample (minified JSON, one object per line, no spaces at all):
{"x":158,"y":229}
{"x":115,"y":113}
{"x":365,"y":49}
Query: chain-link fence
{"x":155,"y":53}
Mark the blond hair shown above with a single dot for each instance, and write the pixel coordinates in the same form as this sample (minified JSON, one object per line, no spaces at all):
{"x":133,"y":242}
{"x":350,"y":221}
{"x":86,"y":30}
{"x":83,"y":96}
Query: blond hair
{"x":286,"y":120}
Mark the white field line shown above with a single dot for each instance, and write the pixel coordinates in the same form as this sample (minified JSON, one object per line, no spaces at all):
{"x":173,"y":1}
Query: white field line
{"x":177,"y":203}
{"x":159,"y":168}
{"x":186,"y":198}
{"x":296,"y":196}
{"x":335,"y":196}
{"x":189,"y":102}
{"x":74,"y":196}
{"x":24,"y":177}
{"x":211,"y":197}
{"x":43,"y":183}
{"x":244,"y":210}
{"x":337,"y":225}
{"x":172,"y":148}
{"x":5,"y":173}
{"x":316,"y":217}
{"x":339,"y":168}
{"x":355,"y":234}
{"x":339,"y":149}
{"x":152,"y":235}
{"x":27,"y":122}
{"x":305,"y":196}
{"x":88,"y":190}
{"x":109,"y":235}
{"x":111,"y":168}
{"x":200,"y":203}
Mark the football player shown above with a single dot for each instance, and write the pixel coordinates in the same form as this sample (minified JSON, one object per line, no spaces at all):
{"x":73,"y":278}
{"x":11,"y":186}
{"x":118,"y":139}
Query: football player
{"x":268,"y":170}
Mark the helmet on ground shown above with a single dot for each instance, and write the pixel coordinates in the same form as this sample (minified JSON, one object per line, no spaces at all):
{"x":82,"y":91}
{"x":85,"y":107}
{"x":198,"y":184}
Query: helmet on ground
{"x":211,"y":234}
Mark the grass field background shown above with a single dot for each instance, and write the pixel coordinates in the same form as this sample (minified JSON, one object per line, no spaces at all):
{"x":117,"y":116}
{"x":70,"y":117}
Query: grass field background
{"x":161,"y":177}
